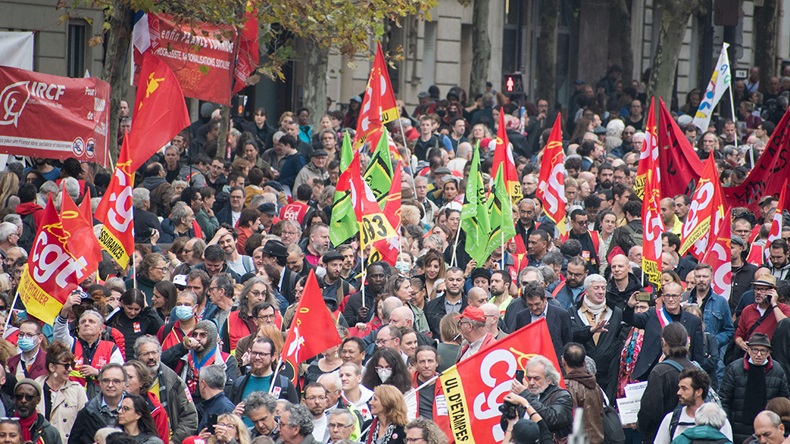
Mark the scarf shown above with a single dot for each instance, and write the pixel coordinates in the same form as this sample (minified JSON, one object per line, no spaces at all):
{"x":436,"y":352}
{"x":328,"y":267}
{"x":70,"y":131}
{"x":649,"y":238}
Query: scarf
{"x":27,"y":425}
{"x":758,"y":393}
{"x":595,"y":309}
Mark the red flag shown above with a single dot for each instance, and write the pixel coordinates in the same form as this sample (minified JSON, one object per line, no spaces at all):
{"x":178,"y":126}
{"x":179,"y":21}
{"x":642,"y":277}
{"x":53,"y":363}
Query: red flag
{"x":82,"y":242}
{"x":52,"y":272}
{"x":770,"y":172}
{"x":378,"y":105}
{"x":85,"y":206}
{"x":387,"y":249}
{"x":551,"y":183}
{"x":249,"y":53}
{"x":474,"y":388}
{"x":159,"y":111}
{"x":705,"y":212}
{"x":677,"y":158}
{"x":116,"y":212}
{"x":776,"y":222}
{"x":389,"y":107}
{"x":651,"y":216}
{"x":373,"y":225}
{"x":718,"y":257}
{"x":503,"y":156}
{"x":312,"y":330}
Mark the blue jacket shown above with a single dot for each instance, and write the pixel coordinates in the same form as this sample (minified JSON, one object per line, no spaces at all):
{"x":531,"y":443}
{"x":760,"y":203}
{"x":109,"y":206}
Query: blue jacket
{"x":291,"y":166}
{"x":716,"y":316}
{"x":216,"y":405}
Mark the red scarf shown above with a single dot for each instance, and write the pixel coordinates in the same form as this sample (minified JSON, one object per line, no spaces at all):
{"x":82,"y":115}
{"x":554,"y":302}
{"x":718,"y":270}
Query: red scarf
{"x":27,"y":424}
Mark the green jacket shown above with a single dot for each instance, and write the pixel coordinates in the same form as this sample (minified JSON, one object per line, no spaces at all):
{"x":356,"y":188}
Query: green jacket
{"x":209,"y":224}
{"x":701,"y":433}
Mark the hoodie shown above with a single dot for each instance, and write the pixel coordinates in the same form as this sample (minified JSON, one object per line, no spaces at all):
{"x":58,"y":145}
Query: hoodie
{"x":33,"y":208}
{"x":586,"y":394}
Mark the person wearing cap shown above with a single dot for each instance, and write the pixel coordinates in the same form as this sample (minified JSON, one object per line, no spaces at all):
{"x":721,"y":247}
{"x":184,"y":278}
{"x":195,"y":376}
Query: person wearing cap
{"x":275,"y":253}
{"x":472,"y":325}
{"x":315,"y":169}
{"x":35,"y":428}
{"x":334,"y":287}
{"x":91,"y":352}
{"x":763,"y":315}
{"x":749,"y":383}
{"x":269,"y":217}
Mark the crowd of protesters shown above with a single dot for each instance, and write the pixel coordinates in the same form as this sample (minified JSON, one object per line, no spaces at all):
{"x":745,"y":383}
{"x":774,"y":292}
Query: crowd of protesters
{"x":183,"y":345}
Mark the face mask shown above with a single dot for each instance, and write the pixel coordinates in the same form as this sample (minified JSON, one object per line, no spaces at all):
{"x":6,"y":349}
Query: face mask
{"x":403,"y":267}
{"x":320,"y":272}
{"x":183,"y":312}
{"x":26,"y":344}
{"x":384,"y":374}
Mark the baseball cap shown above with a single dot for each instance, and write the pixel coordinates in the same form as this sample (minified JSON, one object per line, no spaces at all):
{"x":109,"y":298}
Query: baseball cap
{"x":473,"y":314}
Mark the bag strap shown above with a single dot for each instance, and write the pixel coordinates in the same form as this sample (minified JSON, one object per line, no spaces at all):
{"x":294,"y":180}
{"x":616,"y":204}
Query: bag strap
{"x":674,"y":421}
{"x":674,"y":364}
{"x":759,"y":321}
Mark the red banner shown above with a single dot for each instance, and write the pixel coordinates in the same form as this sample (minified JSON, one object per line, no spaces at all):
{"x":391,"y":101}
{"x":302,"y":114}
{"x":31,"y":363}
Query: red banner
{"x":776,"y":221}
{"x":677,"y":157}
{"x":54,"y":117}
{"x":503,"y":156}
{"x":475,"y":387}
{"x":82,"y":242}
{"x":651,"y":216}
{"x":718,"y":257}
{"x":52,"y":272}
{"x":705,"y":212}
{"x":115,"y":211}
{"x":551,"y":183}
{"x":201,"y":54}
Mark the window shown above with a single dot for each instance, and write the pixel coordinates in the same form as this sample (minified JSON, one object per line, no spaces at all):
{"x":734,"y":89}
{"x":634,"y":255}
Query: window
{"x":75,"y":61}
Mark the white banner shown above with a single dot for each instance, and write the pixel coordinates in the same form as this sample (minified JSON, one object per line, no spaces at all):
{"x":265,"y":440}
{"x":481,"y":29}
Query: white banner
{"x":16,"y":49}
{"x":719,"y":82}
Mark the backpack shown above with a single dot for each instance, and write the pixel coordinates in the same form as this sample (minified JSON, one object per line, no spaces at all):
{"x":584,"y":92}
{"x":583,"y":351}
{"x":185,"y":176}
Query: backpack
{"x":634,"y":235}
{"x":28,"y":232}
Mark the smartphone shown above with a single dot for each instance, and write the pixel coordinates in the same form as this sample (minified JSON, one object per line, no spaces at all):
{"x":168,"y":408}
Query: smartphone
{"x":520,"y":376}
{"x":212,"y":421}
{"x":643,"y":296}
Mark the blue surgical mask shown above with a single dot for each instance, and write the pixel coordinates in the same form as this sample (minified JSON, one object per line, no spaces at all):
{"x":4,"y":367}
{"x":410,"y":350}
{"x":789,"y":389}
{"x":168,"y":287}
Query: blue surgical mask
{"x":183,"y":312}
{"x":26,"y":344}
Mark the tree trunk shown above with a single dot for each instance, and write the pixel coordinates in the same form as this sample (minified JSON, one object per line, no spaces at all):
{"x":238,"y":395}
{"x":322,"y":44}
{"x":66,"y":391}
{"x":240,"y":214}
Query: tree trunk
{"x":623,"y":24}
{"x":765,"y":33}
{"x":115,"y":59}
{"x":222,"y":138}
{"x":316,"y":62}
{"x":674,"y":18}
{"x":481,"y":48}
{"x":547,"y":51}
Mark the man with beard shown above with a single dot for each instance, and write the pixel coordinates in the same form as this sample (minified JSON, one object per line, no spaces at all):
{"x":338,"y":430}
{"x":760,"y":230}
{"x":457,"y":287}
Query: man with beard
{"x":500,"y":296}
{"x":35,"y":428}
{"x":568,"y":291}
{"x":296,"y":261}
{"x":315,"y":401}
{"x":182,"y":321}
{"x":198,"y":350}
{"x":537,"y":247}
{"x":605,"y":176}
{"x":356,"y":310}
{"x":334,"y":287}
{"x":198,"y":283}
{"x":259,"y":409}
{"x":620,"y":195}
{"x":226,"y":238}
{"x":693,"y":387}
{"x":171,"y":390}
{"x":263,"y":356}
{"x":453,"y":300}
{"x":590,"y":240}
{"x":318,"y":243}
{"x":526,"y":219}
{"x":542,"y":392}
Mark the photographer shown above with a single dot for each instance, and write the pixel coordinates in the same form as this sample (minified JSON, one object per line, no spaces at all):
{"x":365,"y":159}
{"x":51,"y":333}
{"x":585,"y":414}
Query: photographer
{"x":553,"y":403}
{"x":522,"y":423}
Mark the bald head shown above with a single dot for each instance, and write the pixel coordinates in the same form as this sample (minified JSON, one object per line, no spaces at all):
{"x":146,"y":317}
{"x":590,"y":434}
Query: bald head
{"x":490,"y":309}
{"x":390,"y":304}
{"x":402,"y":317}
{"x":768,"y":427}
{"x":477,"y":297}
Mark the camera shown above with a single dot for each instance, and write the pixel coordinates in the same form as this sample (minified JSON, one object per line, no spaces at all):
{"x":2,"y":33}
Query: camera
{"x":510,"y":411}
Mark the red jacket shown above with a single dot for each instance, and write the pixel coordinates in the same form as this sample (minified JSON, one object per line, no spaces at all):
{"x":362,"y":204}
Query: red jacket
{"x":159,"y":414}
{"x":750,"y":315}
{"x":33,"y":208}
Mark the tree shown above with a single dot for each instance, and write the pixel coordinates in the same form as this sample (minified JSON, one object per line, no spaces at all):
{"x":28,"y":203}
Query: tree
{"x":675,"y":15}
{"x":622,"y":21}
{"x":481,"y":47}
{"x":765,"y":34}
{"x":547,"y":50}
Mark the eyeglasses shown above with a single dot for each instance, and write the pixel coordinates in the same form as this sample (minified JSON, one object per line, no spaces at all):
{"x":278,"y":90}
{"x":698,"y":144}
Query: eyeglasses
{"x":125,"y":408}
{"x":378,"y":369}
{"x":258,"y":294}
{"x":25,"y":335}
{"x":382,"y":341}
{"x":111,"y":381}
{"x":67,"y":364}
{"x":759,"y":351}
{"x":265,"y":317}
{"x":339,"y":426}
{"x":315,"y":398}
{"x":260,"y":354}
{"x":3,"y":307}
{"x":24,"y":397}
{"x":670,"y":296}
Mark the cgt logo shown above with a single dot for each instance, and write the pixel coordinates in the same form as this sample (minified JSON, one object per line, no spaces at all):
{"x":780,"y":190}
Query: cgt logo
{"x":13,"y":100}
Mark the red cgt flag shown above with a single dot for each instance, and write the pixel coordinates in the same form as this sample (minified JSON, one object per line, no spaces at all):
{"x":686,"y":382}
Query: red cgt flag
{"x":82,"y":242}
{"x":52,"y":271}
{"x":651,"y":217}
{"x":313,"y":330}
{"x":551,"y":183}
{"x":503,"y":156}
{"x":718,"y":256}
{"x":116,"y":212}
{"x":159,"y":110}
{"x":705,"y":212}
{"x":475,"y":387}
{"x":387,"y":249}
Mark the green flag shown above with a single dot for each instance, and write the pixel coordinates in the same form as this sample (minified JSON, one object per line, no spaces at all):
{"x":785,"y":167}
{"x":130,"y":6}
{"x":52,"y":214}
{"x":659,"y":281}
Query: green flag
{"x":500,"y":210}
{"x":343,"y":224}
{"x":474,"y":214}
{"x":378,"y":175}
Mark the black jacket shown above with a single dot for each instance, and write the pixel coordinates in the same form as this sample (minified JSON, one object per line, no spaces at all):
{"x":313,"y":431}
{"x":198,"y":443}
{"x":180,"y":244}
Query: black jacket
{"x":559,"y":323}
{"x":651,"y":344}
{"x":90,"y":419}
{"x":660,"y":396}
{"x":44,"y":430}
{"x":354,"y":303}
{"x":434,"y":312}
{"x":606,"y":353}
{"x":741,"y":282}
{"x":144,"y":223}
{"x":732,"y":393}
{"x":620,"y":298}
{"x":555,"y":406}
{"x":146,"y":323}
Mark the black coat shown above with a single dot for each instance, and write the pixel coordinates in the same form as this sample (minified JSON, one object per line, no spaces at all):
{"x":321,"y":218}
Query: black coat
{"x":146,"y":323}
{"x":660,"y":396}
{"x":606,"y":353}
{"x":434,"y":312}
{"x":620,"y":298}
{"x":559,"y":323}
{"x":555,"y":406}
{"x":651,"y":344}
{"x":354,"y":303}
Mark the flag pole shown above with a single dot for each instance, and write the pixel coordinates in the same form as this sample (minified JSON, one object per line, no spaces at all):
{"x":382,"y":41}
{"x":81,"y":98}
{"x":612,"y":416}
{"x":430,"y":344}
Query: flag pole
{"x":502,"y":234}
{"x":455,"y":246}
{"x":277,"y":371}
{"x":10,"y":310}
{"x":724,"y":47}
{"x":364,"y":273}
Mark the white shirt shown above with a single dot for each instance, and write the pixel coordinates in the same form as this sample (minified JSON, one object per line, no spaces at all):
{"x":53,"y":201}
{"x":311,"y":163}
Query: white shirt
{"x":321,"y":428}
{"x":685,"y":422}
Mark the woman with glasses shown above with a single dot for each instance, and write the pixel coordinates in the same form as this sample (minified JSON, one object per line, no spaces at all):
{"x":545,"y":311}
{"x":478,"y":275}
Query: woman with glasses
{"x":388,"y":408}
{"x":152,"y":269}
{"x":134,"y":417}
{"x":230,"y":429}
{"x":135,"y":319}
{"x":241,"y":322}
{"x":62,"y":399}
{"x":139,"y":381}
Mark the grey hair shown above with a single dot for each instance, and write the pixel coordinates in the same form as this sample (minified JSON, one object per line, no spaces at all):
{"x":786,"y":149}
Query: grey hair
{"x":772,"y":416}
{"x":6,"y":230}
{"x":257,"y":200}
{"x":711,"y":414}
{"x":258,"y":400}
{"x":300,"y":417}
{"x":95,"y":313}
{"x":591,"y":279}
{"x":350,"y":418}
{"x":214,"y":376}
{"x":190,"y":293}
{"x":179,"y":212}
{"x":550,"y":372}
{"x":548,"y":274}
{"x":140,"y":196}
{"x":22,"y":252}
{"x":293,"y":224}
{"x":535,"y":270}
{"x":335,"y":382}
{"x":182,"y":183}
{"x":589,"y":365}
{"x":147,"y":339}
{"x":14,"y":219}
{"x":72,"y":187}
